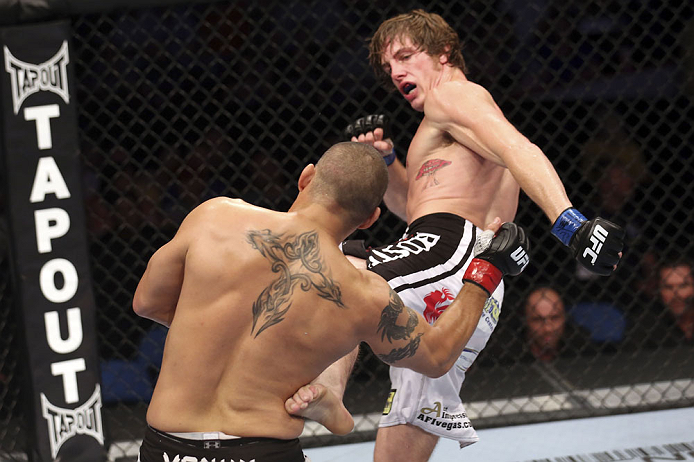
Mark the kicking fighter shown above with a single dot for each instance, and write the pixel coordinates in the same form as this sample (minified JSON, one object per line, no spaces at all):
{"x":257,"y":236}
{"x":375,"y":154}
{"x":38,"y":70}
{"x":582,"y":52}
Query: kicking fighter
{"x":465,"y":165}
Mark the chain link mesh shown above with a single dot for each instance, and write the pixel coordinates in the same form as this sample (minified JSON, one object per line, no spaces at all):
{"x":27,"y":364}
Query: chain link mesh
{"x":180,"y":104}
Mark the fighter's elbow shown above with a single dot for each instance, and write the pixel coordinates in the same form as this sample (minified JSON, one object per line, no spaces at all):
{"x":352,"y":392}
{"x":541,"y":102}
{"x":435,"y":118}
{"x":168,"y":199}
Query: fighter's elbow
{"x":141,"y":305}
{"x":439,"y":369}
{"x":437,"y":365}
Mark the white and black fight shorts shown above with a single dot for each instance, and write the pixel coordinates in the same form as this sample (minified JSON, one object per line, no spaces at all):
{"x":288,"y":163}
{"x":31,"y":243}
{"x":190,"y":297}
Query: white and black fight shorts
{"x":159,"y":446}
{"x":426,"y":269}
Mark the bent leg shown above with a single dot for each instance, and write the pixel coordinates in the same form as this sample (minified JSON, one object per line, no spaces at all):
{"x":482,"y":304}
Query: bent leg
{"x":404,"y":442}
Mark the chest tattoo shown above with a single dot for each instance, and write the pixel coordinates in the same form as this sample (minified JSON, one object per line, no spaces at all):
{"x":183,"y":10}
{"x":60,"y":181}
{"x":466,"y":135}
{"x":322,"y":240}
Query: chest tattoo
{"x":430,"y":167}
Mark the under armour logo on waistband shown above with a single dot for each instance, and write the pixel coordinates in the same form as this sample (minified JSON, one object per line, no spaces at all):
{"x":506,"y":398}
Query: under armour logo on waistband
{"x":212,"y":445}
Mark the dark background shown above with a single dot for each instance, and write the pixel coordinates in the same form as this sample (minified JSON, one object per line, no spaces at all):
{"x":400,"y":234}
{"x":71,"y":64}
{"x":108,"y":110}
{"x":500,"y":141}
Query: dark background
{"x":185,"y":102}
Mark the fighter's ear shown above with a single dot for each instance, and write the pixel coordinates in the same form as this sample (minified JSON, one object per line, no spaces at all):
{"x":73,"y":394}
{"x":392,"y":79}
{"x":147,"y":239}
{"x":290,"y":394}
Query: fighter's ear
{"x":306,"y":176}
{"x":444,"y":57}
{"x":370,"y":221}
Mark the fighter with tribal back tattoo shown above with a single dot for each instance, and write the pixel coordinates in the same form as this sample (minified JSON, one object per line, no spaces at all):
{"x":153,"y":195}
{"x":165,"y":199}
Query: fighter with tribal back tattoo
{"x":259,"y":303}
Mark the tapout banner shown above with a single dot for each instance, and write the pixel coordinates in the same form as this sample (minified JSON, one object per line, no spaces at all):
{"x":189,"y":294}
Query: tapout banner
{"x":43,"y":187}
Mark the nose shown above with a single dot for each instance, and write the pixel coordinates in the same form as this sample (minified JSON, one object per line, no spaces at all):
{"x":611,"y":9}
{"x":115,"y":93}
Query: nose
{"x":396,"y":71}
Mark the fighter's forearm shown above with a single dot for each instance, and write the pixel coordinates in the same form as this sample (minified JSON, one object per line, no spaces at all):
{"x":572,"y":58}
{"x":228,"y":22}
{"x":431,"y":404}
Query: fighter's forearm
{"x":396,"y":194}
{"x":537,"y":178}
{"x":452,"y":330}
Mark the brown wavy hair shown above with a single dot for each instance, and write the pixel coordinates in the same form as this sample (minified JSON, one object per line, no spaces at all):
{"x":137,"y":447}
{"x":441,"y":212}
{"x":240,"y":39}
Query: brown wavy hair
{"x":429,"y":32}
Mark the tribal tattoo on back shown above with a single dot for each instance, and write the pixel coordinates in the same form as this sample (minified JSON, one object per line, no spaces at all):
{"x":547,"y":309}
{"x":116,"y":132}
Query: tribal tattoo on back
{"x":389,"y":328}
{"x":298,"y":262}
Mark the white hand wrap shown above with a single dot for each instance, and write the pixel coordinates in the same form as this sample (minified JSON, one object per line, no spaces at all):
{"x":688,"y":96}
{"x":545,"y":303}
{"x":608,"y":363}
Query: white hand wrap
{"x":484,"y":240}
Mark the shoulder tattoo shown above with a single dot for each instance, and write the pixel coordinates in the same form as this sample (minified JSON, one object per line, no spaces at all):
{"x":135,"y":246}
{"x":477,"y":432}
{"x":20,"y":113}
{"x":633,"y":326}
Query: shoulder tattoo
{"x":298,"y":262}
{"x":391,"y":330}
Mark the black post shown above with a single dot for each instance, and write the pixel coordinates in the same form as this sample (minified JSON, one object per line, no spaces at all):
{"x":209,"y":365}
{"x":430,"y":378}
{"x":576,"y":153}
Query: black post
{"x":48,"y":243}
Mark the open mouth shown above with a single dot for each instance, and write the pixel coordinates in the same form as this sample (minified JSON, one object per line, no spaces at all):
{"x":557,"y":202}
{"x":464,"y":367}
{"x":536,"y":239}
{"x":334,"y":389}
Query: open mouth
{"x":407,"y":88}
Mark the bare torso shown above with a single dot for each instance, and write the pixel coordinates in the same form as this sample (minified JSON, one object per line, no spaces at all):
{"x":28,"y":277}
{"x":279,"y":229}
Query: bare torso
{"x":446,"y":176}
{"x":222,"y":373}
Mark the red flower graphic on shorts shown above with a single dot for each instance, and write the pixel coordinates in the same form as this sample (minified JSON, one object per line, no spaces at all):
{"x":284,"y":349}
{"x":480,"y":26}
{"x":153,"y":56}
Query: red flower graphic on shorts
{"x":435,"y":304}
{"x":430,"y":167}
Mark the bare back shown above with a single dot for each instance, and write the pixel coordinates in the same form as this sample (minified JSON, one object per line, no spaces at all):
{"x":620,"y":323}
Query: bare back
{"x":446,"y":174}
{"x":260,"y":314}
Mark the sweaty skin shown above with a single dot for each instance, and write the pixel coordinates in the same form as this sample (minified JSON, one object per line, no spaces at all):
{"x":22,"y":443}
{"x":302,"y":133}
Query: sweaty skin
{"x":259,"y":303}
{"x":466,"y":158}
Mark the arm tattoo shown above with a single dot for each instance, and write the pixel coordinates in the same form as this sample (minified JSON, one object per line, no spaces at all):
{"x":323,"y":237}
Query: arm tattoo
{"x":389,"y":329}
{"x":298,"y":262}
{"x":430,"y":167}
{"x":389,"y":318}
{"x":396,"y":354}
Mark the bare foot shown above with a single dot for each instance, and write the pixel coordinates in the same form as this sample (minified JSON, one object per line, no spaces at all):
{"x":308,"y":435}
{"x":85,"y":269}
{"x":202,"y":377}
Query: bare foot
{"x":317,"y":403}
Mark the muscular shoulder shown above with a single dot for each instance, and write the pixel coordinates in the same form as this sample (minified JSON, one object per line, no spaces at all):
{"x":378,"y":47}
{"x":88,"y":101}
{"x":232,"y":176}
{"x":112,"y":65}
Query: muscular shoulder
{"x":460,"y":89}
{"x":216,"y":214}
{"x":220,"y":209}
{"x":374,"y":292}
{"x":454,"y":96}
{"x":222,"y":205}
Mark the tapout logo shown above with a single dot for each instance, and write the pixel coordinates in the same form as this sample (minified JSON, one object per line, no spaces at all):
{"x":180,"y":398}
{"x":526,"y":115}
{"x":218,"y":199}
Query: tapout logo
{"x":27,"y":79}
{"x":63,"y":424}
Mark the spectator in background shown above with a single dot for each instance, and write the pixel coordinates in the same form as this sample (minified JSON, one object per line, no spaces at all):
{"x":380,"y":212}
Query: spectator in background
{"x":548,"y":334}
{"x":677,"y":294}
{"x":545,"y":322}
{"x":543,"y":332}
{"x":669,"y":322}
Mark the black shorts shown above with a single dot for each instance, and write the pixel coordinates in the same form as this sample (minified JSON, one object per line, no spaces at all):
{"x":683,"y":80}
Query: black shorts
{"x":434,"y":247}
{"x":158,"y":446}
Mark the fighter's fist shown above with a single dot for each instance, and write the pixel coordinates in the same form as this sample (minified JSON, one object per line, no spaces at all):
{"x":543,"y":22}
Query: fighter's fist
{"x":364,"y":125}
{"x":364,"y":129}
{"x":506,"y":253}
{"x":597,"y":245}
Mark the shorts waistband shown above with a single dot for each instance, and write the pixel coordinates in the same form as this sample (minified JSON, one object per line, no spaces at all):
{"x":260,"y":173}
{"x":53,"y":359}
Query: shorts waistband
{"x":204,"y":436}
{"x":438,"y":220}
{"x":225,"y":441}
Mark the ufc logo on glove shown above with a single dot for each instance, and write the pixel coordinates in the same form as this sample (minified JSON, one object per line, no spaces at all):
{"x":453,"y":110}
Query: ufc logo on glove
{"x":597,"y":239}
{"x":521,"y":258}
{"x":596,"y":244}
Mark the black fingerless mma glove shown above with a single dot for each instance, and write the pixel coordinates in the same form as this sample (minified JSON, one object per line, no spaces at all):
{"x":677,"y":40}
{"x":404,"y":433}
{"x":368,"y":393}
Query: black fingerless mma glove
{"x":506,"y":253}
{"x":368,"y":124}
{"x":595,"y":243}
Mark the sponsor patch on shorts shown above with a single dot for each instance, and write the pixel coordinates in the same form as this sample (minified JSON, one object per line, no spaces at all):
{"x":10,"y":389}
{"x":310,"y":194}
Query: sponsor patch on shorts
{"x":438,"y":416}
{"x":389,"y":402}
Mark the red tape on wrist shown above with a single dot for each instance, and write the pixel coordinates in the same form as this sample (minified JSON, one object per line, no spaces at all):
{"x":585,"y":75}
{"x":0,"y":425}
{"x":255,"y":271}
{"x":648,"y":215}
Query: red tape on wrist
{"x":484,"y":274}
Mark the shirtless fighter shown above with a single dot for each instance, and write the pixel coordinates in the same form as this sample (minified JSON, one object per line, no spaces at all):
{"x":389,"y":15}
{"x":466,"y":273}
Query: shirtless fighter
{"x":260,"y":302}
{"x":464,"y":166}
